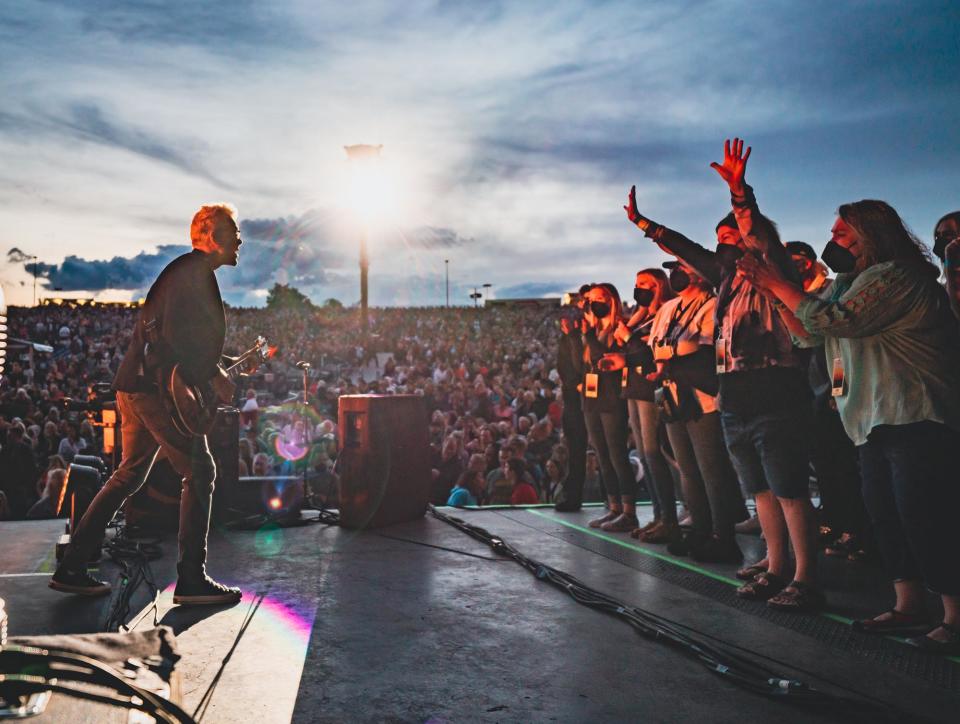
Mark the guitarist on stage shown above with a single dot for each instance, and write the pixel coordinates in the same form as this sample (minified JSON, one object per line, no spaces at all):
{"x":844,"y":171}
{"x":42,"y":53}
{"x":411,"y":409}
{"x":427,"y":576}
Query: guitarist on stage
{"x":182,"y":322}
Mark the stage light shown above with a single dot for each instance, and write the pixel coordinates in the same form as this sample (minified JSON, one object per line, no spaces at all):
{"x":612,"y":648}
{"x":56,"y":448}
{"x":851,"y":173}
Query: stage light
{"x":369,"y":198}
{"x":275,"y":503}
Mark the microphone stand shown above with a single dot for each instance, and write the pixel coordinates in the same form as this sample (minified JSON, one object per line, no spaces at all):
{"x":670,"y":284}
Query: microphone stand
{"x":304,"y":367}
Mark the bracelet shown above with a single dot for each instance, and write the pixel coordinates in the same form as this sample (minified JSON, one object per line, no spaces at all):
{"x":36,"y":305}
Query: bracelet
{"x":643,"y":224}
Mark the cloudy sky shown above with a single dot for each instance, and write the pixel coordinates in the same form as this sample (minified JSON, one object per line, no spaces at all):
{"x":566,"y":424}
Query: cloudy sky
{"x":511,"y":133}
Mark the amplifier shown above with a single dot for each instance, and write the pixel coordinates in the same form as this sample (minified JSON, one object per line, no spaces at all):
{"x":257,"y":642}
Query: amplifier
{"x":384,"y":460}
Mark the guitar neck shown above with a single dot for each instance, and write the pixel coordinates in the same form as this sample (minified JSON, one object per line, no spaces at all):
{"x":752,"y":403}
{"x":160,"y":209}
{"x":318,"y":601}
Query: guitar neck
{"x":234,"y":370}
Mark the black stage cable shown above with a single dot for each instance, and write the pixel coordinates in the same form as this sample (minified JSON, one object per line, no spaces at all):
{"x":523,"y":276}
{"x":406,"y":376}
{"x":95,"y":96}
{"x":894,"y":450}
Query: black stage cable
{"x":440,"y":548}
{"x":84,"y":670}
{"x":204,"y":702}
{"x":741,"y":669}
{"x":724,"y":642}
{"x":134,"y":558}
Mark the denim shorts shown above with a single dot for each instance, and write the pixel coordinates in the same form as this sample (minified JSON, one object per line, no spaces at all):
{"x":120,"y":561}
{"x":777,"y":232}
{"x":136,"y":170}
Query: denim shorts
{"x":771,"y":451}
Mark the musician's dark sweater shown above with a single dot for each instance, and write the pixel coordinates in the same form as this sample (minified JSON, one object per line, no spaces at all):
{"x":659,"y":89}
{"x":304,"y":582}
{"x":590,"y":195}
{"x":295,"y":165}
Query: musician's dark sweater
{"x":186,"y":299}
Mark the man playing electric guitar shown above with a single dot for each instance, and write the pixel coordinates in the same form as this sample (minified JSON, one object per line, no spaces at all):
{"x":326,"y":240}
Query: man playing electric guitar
{"x":181,"y":323}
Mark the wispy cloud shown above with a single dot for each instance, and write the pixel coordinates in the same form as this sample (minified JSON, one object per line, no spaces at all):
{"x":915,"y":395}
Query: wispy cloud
{"x":514,"y":129}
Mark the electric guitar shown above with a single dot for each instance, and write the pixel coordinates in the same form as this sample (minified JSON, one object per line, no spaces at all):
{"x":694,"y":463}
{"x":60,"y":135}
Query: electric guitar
{"x":193,"y":408}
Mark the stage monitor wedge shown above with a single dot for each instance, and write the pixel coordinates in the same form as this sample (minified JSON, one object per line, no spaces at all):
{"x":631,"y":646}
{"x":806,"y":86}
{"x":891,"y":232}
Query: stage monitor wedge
{"x":384,"y":459}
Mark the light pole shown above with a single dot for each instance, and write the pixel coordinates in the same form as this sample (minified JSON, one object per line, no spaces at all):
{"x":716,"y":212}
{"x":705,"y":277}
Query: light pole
{"x":477,"y":296}
{"x":446,"y":264}
{"x":363,"y":160}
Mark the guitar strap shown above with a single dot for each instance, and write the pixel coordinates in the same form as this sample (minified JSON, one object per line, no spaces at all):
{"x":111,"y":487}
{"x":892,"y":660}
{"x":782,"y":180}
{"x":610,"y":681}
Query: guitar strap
{"x":154,"y":359}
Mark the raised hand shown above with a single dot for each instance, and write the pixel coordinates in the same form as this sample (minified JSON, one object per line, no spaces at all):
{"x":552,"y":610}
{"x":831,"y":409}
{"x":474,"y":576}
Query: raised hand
{"x":636,"y":218}
{"x":734,"y":165}
{"x":631,"y":208}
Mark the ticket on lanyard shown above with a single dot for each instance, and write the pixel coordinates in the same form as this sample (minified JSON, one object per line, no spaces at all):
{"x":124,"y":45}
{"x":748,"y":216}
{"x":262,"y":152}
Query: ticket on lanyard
{"x":591,"y":385}
{"x":839,"y":381}
{"x":624,"y":376}
{"x":721,"y":352}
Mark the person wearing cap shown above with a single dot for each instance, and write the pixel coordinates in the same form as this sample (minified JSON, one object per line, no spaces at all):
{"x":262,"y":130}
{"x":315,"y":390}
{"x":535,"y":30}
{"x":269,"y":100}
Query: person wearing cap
{"x":764,"y":400}
{"x":813,"y":273}
{"x":681,"y":339}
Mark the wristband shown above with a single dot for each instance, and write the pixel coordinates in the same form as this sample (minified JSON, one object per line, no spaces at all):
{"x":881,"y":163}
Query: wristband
{"x":743,"y":200}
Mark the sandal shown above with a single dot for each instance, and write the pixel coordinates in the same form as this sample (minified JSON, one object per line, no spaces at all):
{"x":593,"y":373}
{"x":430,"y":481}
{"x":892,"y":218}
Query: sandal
{"x":750,"y":572}
{"x":949,"y":647}
{"x":605,"y":518}
{"x":898,"y":622}
{"x":763,"y":587}
{"x":798,"y":597}
{"x":661,"y":533}
{"x":623,"y":523}
{"x":635,"y":533}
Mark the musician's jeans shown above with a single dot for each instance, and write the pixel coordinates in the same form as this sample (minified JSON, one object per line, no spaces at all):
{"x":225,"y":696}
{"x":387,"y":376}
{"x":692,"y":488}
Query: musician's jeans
{"x":146,"y":431}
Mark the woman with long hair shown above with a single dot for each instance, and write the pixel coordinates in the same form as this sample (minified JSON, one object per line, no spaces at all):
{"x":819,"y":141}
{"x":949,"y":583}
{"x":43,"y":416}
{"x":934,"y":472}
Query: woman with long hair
{"x":55,"y":462}
{"x":651,"y":290}
{"x":604,"y":411}
{"x":895,"y":352}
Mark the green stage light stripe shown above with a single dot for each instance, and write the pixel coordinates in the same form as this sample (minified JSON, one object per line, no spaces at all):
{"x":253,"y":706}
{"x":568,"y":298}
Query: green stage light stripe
{"x":536,"y":505}
{"x":49,"y":563}
{"x":639,"y":549}
{"x":694,"y":568}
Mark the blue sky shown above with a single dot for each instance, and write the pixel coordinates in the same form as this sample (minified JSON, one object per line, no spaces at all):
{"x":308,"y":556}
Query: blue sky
{"x":511,"y":133}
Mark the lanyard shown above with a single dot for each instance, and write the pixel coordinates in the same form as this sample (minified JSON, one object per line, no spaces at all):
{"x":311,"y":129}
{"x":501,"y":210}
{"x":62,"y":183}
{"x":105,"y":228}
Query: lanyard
{"x":678,"y":315}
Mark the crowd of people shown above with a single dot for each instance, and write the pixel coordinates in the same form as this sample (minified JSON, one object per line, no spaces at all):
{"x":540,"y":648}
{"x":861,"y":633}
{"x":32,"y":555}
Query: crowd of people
{"x":755,"y":363}
{"x":740,"y":371}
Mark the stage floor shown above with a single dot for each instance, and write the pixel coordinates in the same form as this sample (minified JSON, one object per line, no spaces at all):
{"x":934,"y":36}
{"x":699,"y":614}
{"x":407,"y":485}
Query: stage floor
{"x":418,"y":622}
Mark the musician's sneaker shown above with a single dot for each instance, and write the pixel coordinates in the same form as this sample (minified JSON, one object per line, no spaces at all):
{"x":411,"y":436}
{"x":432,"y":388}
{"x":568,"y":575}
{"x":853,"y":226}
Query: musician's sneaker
{"x":203,"y":591}
{"x":78,"y":582}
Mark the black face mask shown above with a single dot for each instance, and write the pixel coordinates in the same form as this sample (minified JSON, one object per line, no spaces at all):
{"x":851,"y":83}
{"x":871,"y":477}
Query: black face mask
{"x":838,"y":258}
{"x":728,"y":254}
{"x":600,"y":309}
{"x":940,"y":243}
{"x":642,"y":296}
{"x":679,"y":280}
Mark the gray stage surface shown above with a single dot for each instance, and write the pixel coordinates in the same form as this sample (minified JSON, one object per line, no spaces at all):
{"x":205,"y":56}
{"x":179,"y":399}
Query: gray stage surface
{"x":417,"y":622}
